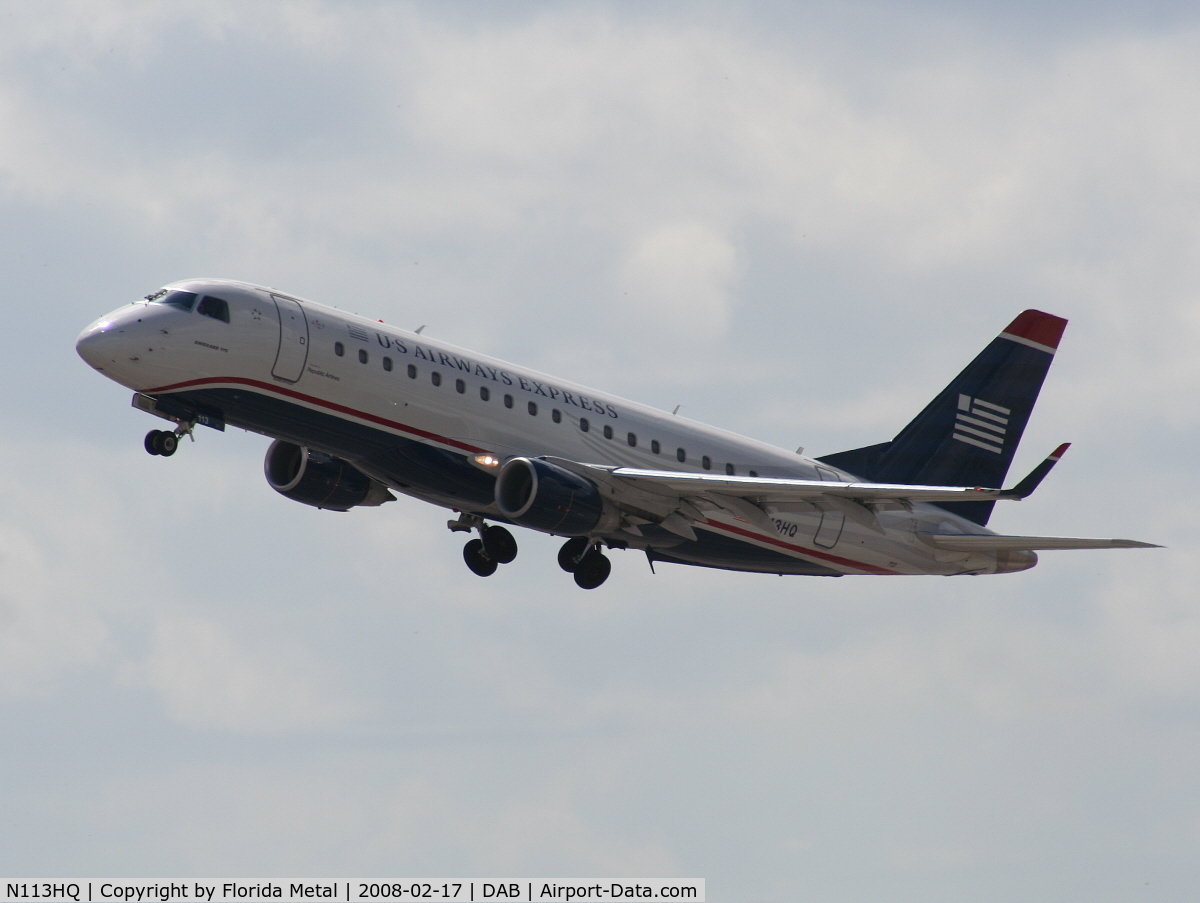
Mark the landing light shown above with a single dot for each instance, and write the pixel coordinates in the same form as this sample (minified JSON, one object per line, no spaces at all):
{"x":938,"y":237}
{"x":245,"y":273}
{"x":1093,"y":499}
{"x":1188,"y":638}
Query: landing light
{"x":487,"y":460}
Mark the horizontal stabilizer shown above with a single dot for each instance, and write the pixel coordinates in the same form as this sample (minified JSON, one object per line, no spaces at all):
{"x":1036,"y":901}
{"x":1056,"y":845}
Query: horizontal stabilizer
{"x":968,"y":542}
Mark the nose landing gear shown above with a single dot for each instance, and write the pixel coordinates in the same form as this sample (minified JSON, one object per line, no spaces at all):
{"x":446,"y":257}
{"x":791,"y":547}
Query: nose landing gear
{"x":161,"y":442}
{"x":166,"y":442}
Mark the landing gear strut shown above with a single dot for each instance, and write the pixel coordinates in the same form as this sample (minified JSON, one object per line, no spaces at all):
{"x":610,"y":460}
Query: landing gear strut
{"x":494,"y":547}
{"x":572,"y":551}
{"x":584,"y":559}
{"x":498,"y":544}
{"x":477,"y":559}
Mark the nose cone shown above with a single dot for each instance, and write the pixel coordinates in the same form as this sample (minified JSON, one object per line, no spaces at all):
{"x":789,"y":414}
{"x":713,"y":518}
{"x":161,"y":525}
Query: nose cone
{"x":95,"y":344}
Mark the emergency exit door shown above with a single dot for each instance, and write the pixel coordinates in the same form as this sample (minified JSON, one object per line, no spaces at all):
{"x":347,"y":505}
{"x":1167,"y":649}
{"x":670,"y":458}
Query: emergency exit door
{"x":293,"y":340}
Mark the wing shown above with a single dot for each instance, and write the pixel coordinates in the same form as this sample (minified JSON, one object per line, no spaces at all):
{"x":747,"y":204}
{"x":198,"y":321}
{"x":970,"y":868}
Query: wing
{"x":674,"y":500}
{"x":770,"y":489}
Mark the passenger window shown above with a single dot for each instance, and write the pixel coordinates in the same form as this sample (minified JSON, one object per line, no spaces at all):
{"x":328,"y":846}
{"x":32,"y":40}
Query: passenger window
{"x":387,"y":364}
{"x":607,"y":431}
{"x":532,"y":409}
{"x":681,"y":455}
{"x":654,"y":446}
{"x":362,"y":355}
{"x":556,"y":415}
{"x":435,"y":378}
{"x":339,"y":349}
{"x":584,"y":426}
{"x":412,"y":371}
{"x":632,"y":439}
{"x":729,"y":469}
{"x":459,"y":386}
{"x":754,"y":473}
{"x":213,"y":307}
{"x":706,"y":462}
{"x":484,"y":393}
{"x":508,"y":401}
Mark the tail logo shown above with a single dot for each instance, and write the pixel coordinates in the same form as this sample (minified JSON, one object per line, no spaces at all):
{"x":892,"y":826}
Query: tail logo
{"x":981,"y":423}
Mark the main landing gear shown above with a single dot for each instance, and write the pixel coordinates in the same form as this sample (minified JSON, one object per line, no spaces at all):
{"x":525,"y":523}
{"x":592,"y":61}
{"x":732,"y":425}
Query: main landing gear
{"x":583,"y":558}
{"x":579,"y":556}
{"x":494,"y":547}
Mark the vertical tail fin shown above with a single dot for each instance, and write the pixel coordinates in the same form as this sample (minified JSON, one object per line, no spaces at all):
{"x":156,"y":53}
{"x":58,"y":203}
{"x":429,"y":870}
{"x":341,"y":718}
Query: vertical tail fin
{"x":968,"y":434}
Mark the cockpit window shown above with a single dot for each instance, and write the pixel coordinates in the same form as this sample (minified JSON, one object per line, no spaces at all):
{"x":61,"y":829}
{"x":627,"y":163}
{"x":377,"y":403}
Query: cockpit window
{"x":182,"y":300}
{"x":214,"y":307}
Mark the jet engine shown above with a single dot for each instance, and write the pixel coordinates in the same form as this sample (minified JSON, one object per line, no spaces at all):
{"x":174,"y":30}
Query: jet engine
{"x":320,"y":480}
{"x":546,"y":497}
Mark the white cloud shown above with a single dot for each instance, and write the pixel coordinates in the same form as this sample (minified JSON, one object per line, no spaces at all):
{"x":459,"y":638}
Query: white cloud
{"x":677,"y":282}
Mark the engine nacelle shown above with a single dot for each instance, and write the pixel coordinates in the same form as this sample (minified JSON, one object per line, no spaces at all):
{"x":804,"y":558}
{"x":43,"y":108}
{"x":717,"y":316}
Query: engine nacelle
{"x":550,"y":498}
{"x":320,"y":480}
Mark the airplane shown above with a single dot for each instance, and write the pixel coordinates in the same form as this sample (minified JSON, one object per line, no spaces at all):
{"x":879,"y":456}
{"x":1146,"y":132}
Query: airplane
{"x":358,"y":409}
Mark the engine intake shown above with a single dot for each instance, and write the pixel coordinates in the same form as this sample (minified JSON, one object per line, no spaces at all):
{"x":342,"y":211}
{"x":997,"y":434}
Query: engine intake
{"x":546,"y":497}
{"x":323,"y":481}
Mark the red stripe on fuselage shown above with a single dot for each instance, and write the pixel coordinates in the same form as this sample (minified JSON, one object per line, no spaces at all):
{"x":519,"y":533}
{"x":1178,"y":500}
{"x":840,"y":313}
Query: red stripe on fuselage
{"x":320,"y":402}
{"x":832,"y":559}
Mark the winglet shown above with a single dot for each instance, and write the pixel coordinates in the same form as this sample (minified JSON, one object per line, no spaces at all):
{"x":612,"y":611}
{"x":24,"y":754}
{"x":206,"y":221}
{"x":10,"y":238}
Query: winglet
{"x":1036,"y":329}
{"x":1025,"y":488}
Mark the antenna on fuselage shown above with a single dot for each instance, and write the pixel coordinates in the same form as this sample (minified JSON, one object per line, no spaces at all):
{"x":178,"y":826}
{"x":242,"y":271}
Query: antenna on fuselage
{"x":419,"y":328}
{"x":676,"y":411}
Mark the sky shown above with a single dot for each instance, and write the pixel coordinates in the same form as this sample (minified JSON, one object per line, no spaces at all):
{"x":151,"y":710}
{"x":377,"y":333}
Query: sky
{"x":796,"y":220}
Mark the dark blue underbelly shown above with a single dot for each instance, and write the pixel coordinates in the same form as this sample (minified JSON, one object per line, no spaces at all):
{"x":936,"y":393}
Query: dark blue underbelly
{"x":410,"y":464}
{"x":406,"y":462}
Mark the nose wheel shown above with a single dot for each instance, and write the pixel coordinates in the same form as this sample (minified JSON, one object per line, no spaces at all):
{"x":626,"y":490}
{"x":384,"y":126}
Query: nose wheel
{"x":161,"y":442}
{"x":166,"y":442}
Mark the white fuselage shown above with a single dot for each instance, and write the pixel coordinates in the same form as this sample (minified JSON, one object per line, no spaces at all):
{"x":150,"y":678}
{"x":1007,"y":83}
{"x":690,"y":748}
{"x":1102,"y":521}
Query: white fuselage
{"x":339,"y":383}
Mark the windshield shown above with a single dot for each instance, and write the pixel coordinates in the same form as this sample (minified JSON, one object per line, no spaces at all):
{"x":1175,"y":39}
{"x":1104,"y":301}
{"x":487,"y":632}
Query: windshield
{"x":182,"y":300}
